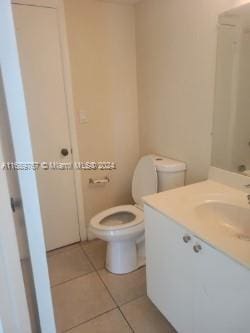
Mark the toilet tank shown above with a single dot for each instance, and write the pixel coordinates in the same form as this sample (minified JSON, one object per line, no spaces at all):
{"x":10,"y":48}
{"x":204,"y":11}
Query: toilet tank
{"x":170,"y":173}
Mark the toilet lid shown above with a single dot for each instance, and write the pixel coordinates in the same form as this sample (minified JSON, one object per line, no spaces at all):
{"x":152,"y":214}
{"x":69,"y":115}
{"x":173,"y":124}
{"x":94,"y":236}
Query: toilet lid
{"x":144,"y":179}
{"x":117,"y":218}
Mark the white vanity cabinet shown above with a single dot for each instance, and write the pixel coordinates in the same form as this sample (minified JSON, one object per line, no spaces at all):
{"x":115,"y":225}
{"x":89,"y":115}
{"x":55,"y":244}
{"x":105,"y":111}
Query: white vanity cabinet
{"x":196,"y":287}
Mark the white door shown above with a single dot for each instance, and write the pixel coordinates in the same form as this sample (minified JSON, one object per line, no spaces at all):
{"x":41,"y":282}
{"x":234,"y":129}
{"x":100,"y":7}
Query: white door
{"x":13,"y":306}
{"x":1,"y":326}
{"x":18,"y":216}
{"x":14,"y":105}
{"x":42,"y":70}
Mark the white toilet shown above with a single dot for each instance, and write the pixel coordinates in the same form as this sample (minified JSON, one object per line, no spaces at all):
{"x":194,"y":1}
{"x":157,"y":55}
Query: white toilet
{"x":123,"y":226}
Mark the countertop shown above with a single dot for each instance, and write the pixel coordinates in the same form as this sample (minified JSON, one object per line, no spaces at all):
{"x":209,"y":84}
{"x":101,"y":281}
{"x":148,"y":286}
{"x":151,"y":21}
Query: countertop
{"x":180,"y":206}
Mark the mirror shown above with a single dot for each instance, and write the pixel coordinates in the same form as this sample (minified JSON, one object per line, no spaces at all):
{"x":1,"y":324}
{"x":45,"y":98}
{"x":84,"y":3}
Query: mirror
{"x":231,"y":130}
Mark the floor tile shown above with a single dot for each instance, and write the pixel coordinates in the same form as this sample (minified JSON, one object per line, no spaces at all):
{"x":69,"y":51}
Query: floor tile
{"x":111,"y":322}
{"x":144,"y":317}
{"x":68,"y":264}
{"x":80,"y":300}
{"x":62,"y":249}
{"x":96,"y":252}
{"x":127,"y":287}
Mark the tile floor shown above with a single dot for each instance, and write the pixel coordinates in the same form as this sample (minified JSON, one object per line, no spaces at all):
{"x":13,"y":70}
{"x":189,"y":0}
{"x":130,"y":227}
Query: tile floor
{"x":89,"y":299}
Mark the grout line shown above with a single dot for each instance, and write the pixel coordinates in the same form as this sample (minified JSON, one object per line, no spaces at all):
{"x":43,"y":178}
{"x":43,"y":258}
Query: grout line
{"x":132,"y":300}
{"x":116,"y":305}
{"x":93,"y":318}
{"x":95,"y":270}
{"x":109,"y":292}
{"x":106,"y":287}
{"x":88,"y":258}
{"x":74,"y":278}
{"x":123,"y":315}
{"x":63,"y":249}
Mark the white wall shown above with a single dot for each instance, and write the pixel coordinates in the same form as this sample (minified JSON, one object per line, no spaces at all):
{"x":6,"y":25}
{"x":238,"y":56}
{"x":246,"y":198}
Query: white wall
{"x":176,"y":51}
{"x":102,"y":49}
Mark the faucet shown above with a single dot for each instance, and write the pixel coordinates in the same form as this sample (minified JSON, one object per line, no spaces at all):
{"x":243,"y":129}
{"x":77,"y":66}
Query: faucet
{"x":248,"y":198}
{"x":248,"y":195}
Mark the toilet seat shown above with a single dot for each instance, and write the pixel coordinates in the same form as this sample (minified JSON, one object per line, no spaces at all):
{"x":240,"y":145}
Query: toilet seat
{"x":123,"y":227}
{"x":135,"y":214}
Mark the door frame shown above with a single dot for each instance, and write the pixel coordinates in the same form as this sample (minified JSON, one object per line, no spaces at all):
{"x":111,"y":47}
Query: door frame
{"x":19,"y":125}
{"x":70,"y":106}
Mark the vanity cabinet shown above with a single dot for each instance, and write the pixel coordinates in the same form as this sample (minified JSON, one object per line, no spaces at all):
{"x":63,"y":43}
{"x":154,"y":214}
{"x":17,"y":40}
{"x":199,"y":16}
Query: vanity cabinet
{"x":195,"y":286}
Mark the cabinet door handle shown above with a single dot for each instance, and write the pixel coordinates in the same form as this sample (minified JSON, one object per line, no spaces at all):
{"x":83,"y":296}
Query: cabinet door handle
{"x":197,"y":248}
{"x":186,"y":238}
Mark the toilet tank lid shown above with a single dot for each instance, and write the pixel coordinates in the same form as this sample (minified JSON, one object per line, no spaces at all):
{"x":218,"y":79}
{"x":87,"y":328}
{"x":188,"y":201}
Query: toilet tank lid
{"x":166,"y":164}
{"x":144,"y":180}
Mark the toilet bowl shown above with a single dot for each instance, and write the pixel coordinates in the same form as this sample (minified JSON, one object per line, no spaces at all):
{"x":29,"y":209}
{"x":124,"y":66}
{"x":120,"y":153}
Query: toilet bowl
{"x":122,"y":227}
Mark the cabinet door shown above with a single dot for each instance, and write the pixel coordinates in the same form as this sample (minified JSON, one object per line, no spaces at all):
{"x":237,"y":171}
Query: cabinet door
{"x":170,"y":264}
{"x":221,"y":293}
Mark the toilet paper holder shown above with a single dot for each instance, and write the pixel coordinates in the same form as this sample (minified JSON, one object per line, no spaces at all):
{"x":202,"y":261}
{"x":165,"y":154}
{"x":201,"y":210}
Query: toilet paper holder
{"x":99,"y":181}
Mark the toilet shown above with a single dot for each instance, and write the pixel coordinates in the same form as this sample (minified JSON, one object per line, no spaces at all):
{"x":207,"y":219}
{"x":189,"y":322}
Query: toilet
{"x":122,"y":227}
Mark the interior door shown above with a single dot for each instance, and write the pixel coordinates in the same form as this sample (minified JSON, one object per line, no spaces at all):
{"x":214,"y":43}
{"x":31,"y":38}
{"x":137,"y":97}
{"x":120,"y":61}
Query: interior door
{"x":13,"y":102}
{"x":42,"y":70}
{"x":18,"y":216}
{"x":1,"y":326}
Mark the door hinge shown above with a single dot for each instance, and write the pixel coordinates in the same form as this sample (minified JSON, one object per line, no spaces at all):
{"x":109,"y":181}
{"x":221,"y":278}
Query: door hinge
{"x":15,"y":204}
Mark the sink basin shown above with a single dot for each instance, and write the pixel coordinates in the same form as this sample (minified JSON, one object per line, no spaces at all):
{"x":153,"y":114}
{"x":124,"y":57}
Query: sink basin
{"x":230,"y":217}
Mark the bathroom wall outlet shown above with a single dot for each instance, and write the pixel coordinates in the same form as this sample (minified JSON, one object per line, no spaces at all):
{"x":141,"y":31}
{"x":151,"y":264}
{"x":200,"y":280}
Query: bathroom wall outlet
{"x":83,"y":117}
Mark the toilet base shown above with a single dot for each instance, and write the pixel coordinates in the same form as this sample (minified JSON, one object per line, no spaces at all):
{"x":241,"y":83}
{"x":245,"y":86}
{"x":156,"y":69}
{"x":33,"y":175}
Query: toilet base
{"x":125,"y":256}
